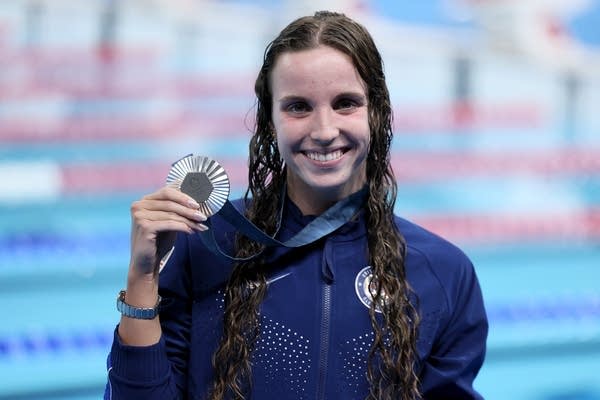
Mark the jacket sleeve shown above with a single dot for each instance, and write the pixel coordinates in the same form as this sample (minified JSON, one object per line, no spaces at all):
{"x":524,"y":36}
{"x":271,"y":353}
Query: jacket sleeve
{"x":158,"y":371}
{"x":459,"y":350}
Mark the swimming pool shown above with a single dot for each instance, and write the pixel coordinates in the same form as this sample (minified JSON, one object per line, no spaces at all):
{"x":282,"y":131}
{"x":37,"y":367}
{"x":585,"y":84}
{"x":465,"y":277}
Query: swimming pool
{"x":504,"y":179}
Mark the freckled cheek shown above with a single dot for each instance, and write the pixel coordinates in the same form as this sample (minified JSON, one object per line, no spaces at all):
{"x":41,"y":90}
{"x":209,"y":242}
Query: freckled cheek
{"x":289,"y":134}
{"x":284,"y":145}
{"x":360,"y":133}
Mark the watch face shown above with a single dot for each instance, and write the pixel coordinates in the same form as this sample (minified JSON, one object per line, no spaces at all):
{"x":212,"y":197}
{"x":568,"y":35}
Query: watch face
{"x":203,"y":179}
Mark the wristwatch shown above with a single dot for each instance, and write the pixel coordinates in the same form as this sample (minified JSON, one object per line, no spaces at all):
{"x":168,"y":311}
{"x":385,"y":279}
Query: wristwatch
{"x":136,"y":312}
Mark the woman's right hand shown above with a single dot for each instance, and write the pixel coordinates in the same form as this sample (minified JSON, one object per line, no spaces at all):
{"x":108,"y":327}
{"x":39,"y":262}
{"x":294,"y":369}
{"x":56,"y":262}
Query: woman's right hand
{"x":155,"y":219}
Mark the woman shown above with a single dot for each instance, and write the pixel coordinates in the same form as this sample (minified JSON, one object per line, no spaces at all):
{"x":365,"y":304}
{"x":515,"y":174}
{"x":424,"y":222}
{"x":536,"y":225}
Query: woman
{"x":378,"y":309}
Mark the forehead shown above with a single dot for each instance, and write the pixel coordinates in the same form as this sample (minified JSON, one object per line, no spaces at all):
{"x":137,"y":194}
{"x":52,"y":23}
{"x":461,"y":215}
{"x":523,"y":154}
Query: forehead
{"x":319,"y":69}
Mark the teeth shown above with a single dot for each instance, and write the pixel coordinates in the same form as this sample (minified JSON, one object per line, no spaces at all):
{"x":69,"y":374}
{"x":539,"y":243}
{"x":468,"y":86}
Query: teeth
{"x":334,"y":155}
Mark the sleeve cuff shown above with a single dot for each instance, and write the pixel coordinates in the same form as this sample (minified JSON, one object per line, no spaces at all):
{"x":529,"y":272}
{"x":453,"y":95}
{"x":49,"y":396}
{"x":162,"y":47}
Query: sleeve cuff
{"x":139,"y":363}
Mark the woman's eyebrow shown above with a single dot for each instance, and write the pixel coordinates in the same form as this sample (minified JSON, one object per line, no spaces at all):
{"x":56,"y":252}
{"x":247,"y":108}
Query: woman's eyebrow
{"x":291,"y":98}
{"x":354,"y":95}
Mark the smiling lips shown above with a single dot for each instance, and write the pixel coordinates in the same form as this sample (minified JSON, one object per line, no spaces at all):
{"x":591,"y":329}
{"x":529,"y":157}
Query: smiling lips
{"x":324,"y":157}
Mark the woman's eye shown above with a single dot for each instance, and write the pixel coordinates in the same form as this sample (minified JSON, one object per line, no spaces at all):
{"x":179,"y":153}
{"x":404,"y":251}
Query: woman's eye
{"x":297,"y":108}
{"x":346,"y":104}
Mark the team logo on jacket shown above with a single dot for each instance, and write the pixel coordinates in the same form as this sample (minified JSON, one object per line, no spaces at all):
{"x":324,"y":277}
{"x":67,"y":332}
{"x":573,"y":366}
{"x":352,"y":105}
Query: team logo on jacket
{"x":364,"y":284}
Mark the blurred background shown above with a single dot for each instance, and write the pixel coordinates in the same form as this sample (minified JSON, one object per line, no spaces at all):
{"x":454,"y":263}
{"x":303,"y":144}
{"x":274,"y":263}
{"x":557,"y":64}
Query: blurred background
{"x":497,"y":148}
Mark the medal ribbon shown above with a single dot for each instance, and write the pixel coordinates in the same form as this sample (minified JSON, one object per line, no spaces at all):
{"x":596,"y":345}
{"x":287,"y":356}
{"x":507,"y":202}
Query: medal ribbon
{"x":333,"y":218}
{"x":205,"y":180}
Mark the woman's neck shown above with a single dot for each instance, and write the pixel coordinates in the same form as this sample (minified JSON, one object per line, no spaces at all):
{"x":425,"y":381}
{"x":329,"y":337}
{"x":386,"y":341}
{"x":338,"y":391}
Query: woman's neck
{"x":310,"y":204}
{"x":315,"y":202}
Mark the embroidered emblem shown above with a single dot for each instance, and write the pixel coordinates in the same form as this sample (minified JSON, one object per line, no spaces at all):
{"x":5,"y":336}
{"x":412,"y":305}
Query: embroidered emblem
{"x":365,"y":288}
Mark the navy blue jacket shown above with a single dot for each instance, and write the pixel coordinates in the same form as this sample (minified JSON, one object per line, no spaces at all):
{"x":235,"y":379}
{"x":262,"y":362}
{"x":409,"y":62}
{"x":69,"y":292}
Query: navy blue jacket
{"x":315,"y":327}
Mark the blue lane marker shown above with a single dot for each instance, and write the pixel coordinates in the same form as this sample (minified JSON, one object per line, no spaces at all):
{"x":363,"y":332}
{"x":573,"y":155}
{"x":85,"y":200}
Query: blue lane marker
{"x":58,"y":242}
{"x":543,"y":309}
{"x":37,"y":343}
{"x":28,"y":249}
{"x":50,"y":342}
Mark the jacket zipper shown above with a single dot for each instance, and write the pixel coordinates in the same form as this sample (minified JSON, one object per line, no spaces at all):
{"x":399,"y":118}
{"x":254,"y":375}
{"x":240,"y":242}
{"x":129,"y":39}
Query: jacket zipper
{"x":324,"y":344}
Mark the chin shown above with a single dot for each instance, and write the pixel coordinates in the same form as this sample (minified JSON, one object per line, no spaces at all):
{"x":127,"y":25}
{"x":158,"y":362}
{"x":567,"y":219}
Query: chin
{"x":333,"y":188}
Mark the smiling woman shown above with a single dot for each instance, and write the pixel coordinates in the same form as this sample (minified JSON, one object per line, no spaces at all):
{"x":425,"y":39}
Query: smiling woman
{"x":322,"y":125}
{"x":378,"y":308}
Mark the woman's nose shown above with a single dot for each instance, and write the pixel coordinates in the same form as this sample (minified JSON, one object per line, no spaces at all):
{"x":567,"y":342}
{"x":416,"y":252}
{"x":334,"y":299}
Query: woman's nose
{"x":324,"y":128}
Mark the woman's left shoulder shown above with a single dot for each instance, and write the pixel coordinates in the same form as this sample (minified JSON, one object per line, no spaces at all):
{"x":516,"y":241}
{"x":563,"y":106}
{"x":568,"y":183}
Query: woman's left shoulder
{"x":428,"y":243}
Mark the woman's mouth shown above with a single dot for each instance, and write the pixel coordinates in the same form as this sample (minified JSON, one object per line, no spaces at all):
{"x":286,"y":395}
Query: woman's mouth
{"x":324,"y":157}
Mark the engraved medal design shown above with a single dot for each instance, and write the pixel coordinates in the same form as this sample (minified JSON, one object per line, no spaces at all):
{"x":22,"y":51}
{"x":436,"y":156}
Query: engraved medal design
{"x":203,"y":179}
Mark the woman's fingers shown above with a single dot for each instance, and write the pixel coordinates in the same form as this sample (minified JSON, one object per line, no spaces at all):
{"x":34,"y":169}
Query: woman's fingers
{"x":174,"y":201}
{"x":175,"y":195}
{"x":160,"y":221}
{"x":165,"y":211}
{"x":172,"y":207}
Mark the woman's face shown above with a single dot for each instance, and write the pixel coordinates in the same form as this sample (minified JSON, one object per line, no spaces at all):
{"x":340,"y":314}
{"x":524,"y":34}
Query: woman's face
{"x":320,"y":116}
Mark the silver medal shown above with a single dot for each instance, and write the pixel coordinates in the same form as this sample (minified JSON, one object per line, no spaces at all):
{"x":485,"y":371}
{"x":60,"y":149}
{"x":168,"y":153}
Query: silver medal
{"x":203,"y":179}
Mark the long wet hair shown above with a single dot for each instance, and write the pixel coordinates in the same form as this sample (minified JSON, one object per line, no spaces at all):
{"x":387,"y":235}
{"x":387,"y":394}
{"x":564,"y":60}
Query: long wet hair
{"x":392,"y":357}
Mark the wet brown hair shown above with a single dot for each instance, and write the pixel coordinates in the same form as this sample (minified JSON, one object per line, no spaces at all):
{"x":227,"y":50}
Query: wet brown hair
{"x":392,"y":357}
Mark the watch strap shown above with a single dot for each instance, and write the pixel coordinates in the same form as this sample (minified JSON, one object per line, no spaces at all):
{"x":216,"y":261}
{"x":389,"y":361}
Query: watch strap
{"x":130,"y":311}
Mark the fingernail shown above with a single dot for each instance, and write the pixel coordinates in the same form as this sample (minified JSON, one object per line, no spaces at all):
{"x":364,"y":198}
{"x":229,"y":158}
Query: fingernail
{"x":201,"y":227}
{"x":193,"y":203}
{"x":200,"y":216}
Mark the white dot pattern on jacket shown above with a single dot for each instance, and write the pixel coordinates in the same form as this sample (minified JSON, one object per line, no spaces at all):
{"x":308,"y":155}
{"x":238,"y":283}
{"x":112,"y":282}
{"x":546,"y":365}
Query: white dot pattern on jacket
{"x":221,"y":299}
{"x":354,"y":353}
{"x":283,"y":353}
